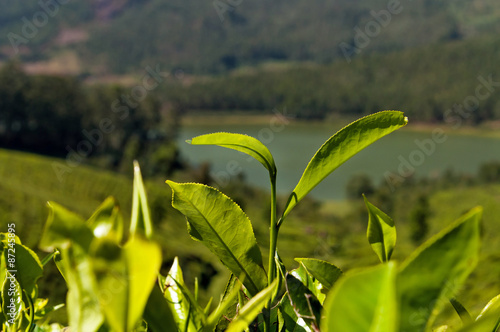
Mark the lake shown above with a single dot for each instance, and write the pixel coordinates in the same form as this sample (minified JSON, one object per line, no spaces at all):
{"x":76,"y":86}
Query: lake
{"x":294,"y":144}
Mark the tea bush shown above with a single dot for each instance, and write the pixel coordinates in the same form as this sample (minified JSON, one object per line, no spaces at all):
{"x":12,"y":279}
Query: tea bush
{"x":111,"y":267}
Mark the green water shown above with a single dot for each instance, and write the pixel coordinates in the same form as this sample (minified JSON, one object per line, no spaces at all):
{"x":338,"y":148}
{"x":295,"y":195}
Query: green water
{"x":293,"y":146}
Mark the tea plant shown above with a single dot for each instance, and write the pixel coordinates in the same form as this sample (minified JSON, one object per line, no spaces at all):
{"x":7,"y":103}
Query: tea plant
{"x":112,"y":271}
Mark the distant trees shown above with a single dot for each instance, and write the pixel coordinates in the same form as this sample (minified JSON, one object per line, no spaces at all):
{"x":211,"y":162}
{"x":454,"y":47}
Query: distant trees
{"x":429,"y":84}
{"x":58,"y":116}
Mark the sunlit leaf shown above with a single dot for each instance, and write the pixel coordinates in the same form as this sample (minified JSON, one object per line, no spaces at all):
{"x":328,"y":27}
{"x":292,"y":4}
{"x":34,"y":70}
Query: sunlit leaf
{"x":70,"y":234}
{"x":125,"y":277}
{"x":437,"y":269}
{"x":363,"y":301}
{"x":306,"y":306}
{"x":27,"y":265}
{"x":461,"y":311}
{"x":63,"y":227}
{"x":182,"y":306}
{"x":12,"y":303}
{"x":288,"y":317}
{"x":141,"y":218}
{"x":242,"y":143}
{"x":341,"y":147}
{"x":230,"y":295}
{"x":157,"y":312}
{"x":220,"y":224}
{"x":107,"y":219}
{"x":381,"y":232}
{"x":316,"y":288}
{"x":84,"y":311}
{"x":252,"y":308}
{"x":326,"y":273}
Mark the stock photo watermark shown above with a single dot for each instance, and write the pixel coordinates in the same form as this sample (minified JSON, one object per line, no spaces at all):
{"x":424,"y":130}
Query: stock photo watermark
{"x":224,"y":6}
{"x":363,"y":36}
{"x":13,"y":303}
{"x":121,"y":108}
{"x":266,"y":135}
{"x":31,"y":27}
{"x":454,"y":116}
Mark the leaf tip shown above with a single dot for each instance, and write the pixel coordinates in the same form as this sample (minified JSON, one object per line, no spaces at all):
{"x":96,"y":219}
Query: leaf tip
{"x":189,"y":141}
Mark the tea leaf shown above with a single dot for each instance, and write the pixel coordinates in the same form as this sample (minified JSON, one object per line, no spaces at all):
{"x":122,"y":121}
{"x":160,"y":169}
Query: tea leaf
{"x":381,"y":232}
{"x":12,"y":303}
{"x":242,"y":143}
{"x":223,"y":227}
{"x":461,"y":311}
{"x":252,"y":308}
{"x":326,"y":273}
{"x":316,"y":288}
{"x":27,"y":265}
{"x":431,"y":275}
{"x":157,"y":312}
{"x":70,"y":234}
{"x":341,"y":147}
{"x":140,"y":211}
{"x":306,"y":306}
{"x":84,"y":311}
{"x":362,"y":301}
{"x":125,"y":277}
{"x":107,"y":219}
{"x":63,"y":227}
{"x":185,"y":311}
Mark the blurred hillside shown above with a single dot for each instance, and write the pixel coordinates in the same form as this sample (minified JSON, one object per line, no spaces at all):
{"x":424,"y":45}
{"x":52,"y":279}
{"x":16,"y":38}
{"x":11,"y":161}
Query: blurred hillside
{"x":121,"y":36}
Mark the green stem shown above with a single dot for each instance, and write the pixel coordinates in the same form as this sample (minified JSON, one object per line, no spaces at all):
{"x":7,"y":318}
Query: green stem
{"x":273,"y":239}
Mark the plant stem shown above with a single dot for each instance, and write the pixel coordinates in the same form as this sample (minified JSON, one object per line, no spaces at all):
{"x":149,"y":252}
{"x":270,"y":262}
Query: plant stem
{"x":273,"y":238}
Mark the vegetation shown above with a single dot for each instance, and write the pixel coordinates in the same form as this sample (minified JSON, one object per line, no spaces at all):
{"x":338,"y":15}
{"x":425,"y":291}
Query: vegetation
{"x":438,"y":83}
{"x":216,"y":36}
{"x":111,"y":285}
{"x":99,"y":125}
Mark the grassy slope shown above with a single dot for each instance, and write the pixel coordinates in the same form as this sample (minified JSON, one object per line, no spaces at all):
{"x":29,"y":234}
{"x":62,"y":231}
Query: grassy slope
{"x":329,"y":232}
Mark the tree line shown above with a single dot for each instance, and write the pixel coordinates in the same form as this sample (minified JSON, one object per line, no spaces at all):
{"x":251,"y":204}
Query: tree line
{"x":100,"y":124}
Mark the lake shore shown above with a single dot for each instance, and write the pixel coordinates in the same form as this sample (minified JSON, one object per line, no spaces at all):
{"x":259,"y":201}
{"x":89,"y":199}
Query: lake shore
{"x":489,"y":129}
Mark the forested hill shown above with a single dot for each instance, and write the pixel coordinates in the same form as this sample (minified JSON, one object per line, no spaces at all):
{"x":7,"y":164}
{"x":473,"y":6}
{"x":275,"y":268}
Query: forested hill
{"x":119,"y":36}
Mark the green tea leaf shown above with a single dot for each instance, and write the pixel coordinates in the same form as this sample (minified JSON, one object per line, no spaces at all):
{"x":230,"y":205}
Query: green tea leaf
{"x":125,"y":277}
{"x":488,"y":323}
{"x":157,"y":312}
{"x":70,"y":234}
{"x":493,"y":307}
{"x":363,"y":301}
{"x":27,"y":265}
{"x":326,"y":273}
{"x":183,"y":308}
{"x":381,"y":232}
{"x":316,"y":288}
{"x":230,"y":294}
{"x":461,"y":311}
{"x":84,"y":311}
{"x":289,"y":322}
{"x":220,"y":224}
{"x":306,"y":306}
{"x":107,"y":219}
{"x":341,"y":147}
{"x":12,"y":304}
{"x":431,"y":275}
{"x":62,"y":228}
{"x":252,"y":308}
{"x":242,"y":143}
{"x":140,"y":210}
{"x":489,"y":318}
